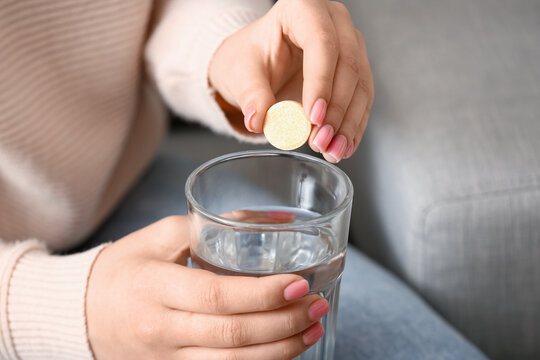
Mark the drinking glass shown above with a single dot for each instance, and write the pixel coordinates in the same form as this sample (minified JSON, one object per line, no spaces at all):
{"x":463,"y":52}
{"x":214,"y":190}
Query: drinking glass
{"x":258,"y":213}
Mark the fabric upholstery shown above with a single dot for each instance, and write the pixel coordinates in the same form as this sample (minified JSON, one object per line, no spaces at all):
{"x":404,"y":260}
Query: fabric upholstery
{"x":448,"y":175}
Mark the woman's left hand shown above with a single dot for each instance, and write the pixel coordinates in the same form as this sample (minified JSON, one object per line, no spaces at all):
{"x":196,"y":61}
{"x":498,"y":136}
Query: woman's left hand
{"x":303,"y":50}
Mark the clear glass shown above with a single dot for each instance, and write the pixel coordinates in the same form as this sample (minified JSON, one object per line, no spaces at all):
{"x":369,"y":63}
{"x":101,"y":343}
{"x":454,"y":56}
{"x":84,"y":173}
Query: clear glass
{"x":258,"y":213}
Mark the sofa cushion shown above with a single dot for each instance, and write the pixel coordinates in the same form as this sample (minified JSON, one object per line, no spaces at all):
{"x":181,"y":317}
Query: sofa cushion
{"x":448,"y":175}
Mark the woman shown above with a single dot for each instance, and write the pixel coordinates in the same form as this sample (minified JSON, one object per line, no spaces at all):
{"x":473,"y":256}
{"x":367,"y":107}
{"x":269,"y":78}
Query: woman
{"x":80,"y":119}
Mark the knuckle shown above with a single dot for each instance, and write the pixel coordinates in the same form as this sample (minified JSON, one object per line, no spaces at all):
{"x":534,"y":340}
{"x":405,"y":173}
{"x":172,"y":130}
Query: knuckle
{"x":234,"y":332}
{"x":352,"y":61}
{"x":360,"y":37}
{"x":171,"y":225}
{"x":336,"y":110}
{"x":290,"y":323}
{"x":288,"y":350}
{"x":266,"y":299}
{"x":328,"y":40}
{"x":364,"y":86}
{"x":260,"y":303}
{"x":212,"y":296}
{"x":170,"y":221}
{"x":231,"y":354}
{"x":247,"y":92}
{"x":340,"y":8}
{"x":254,"y":92}
{"x":324,"y":79}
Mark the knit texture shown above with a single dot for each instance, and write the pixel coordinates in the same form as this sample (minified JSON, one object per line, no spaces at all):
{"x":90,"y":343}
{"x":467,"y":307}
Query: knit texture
{"x":80,"y":119}
{"x":46,"y":305}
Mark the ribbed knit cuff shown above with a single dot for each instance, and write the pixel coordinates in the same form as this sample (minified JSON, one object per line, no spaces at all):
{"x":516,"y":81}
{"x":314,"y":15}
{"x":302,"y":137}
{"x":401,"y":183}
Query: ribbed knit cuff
{"x":46,"y":304}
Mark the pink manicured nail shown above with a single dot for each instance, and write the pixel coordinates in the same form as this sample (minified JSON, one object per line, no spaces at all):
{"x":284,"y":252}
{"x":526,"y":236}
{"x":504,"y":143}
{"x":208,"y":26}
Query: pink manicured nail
{"x":324,"y":136}
{"x":296,"y":290}
{"x":280,"y":215}
{"x":318,"y":309}
{"x":337,"y":147}
{"x":250,"y":112}
{"x":313,"y":333}
{"x":318,"y":112}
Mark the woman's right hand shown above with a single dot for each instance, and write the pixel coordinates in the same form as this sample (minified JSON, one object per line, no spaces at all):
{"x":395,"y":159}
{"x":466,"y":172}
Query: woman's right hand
{"x":143,"y":302}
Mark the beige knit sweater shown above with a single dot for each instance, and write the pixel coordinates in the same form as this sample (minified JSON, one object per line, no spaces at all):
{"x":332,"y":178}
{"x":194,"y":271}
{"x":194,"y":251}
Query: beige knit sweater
{"x":79,"y":121}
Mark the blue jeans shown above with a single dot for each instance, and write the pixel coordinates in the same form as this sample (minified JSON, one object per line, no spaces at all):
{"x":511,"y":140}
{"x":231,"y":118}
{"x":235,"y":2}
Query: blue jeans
{"x":379,"y":317}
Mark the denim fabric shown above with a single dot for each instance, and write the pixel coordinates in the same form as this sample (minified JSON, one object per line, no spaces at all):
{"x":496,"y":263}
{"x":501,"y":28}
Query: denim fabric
{"x":379,"y":317}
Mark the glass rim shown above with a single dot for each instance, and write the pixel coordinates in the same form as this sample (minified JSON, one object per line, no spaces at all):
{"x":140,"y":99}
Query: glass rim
{"x":266,"y":153}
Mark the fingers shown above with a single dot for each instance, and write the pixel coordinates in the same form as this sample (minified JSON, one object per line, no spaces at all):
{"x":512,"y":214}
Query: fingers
{"x":338,"y":86}
{"x":201,"y":291}
{"x":284,"y":349}
{"x":223,"y":331}
{"x":166,"y":239}
{"x":350,"y":93}
{"x":350,"y":131}
{"x":359,"y":134}
{"x":365,"y":86}
{"x":255,"y":96}
{"x":239,"y":72}
{"x":310,"y":27}
{"x":346,"y":77}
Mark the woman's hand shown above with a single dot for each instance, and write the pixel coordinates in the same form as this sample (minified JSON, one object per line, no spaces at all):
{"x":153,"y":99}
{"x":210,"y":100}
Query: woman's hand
{"x":144,"y":303}
{"x":303,"y":50}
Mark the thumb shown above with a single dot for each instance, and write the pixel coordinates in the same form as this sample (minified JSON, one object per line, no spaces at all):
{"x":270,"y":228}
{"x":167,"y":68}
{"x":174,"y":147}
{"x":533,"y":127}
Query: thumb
{"x":166,"y":240}
{"x":255,"y":96}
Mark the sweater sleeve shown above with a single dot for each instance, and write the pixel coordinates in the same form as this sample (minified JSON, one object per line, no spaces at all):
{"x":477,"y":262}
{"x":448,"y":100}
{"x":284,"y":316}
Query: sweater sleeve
{"x":42,"y":302}
{"x":178,"y":53}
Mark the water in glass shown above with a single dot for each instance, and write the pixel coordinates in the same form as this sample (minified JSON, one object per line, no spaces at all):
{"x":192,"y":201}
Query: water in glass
{"x":310,"y":252}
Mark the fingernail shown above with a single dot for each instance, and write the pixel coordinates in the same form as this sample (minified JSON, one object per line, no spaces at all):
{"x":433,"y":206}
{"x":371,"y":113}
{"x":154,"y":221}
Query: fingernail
{"x":324,"y":136}
{"x":296,"y":290}
{"x":350,"y":151}
{"x":336,"y":149}
{"x":280,"y":215}
{"x":318,"y":112}
{"x":318,"y":309}
{"x":312,"y":334}
{"x":250,"y":112}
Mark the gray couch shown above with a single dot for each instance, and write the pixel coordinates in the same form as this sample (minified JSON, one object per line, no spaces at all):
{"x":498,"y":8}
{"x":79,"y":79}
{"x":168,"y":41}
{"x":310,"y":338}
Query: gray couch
{"x":447,"y":178}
